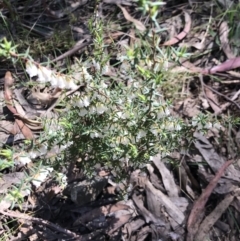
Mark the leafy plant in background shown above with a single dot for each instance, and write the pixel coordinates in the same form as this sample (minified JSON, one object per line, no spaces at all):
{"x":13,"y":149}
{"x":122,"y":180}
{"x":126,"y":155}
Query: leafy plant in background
{"x":6,"y":159}
{"x":150,"y":8}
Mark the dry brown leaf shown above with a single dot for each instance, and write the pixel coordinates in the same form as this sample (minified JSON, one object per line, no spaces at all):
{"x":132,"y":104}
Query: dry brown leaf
{"x":154,"y":178}
{"x":225,"y":186}
{"x":211,"y":219}
{"x":119,"y":218}
{"x":223,"y":35}
{"x":133,"y":226}
{"x":148,"y":216}
{"x":8,"y":179}
{"x":136,"y":22}
{"x":8,"y":84}
{"x":214,"y":160}
{"x":7,"y":127}
{"x":189,"y":107}
{"x":167,"y":177}
{"x":202,"y":200}
{"x":159,"y":198}
{"x":105,"y":210}
{"x":213,"y":101}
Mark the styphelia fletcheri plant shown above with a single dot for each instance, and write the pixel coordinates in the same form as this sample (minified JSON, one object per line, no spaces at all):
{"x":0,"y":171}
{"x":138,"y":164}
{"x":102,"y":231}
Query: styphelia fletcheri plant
{"x":117,"y":123}
{"x":121,"y":123}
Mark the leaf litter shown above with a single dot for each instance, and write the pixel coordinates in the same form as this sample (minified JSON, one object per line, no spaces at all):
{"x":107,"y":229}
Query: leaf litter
{"x":189,"y":201}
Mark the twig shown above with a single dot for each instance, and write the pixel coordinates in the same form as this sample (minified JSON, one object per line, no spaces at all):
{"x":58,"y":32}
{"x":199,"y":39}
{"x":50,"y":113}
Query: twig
{"x":215,"y":106}
{"x":218,"y":93}
{"x":224,"y":96}
{"x":79,"y":45}
{"x":223,"y":107}
{"x":57,"y":100}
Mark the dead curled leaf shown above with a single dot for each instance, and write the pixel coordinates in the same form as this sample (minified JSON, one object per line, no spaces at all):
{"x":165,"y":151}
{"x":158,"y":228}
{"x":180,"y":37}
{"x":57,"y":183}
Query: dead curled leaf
{"x":225,"y":66}
{"x":223,"y":35}
{"x":8,"y":84}
{"x":136,"y":22}
{"x":183,"y":34}
{"x":212,"y":100}
{"x":40,"y":98}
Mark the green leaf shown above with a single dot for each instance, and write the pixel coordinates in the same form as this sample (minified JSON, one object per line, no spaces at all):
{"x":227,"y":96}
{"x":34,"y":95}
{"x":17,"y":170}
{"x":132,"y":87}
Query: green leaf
{"x":142,"y":97}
